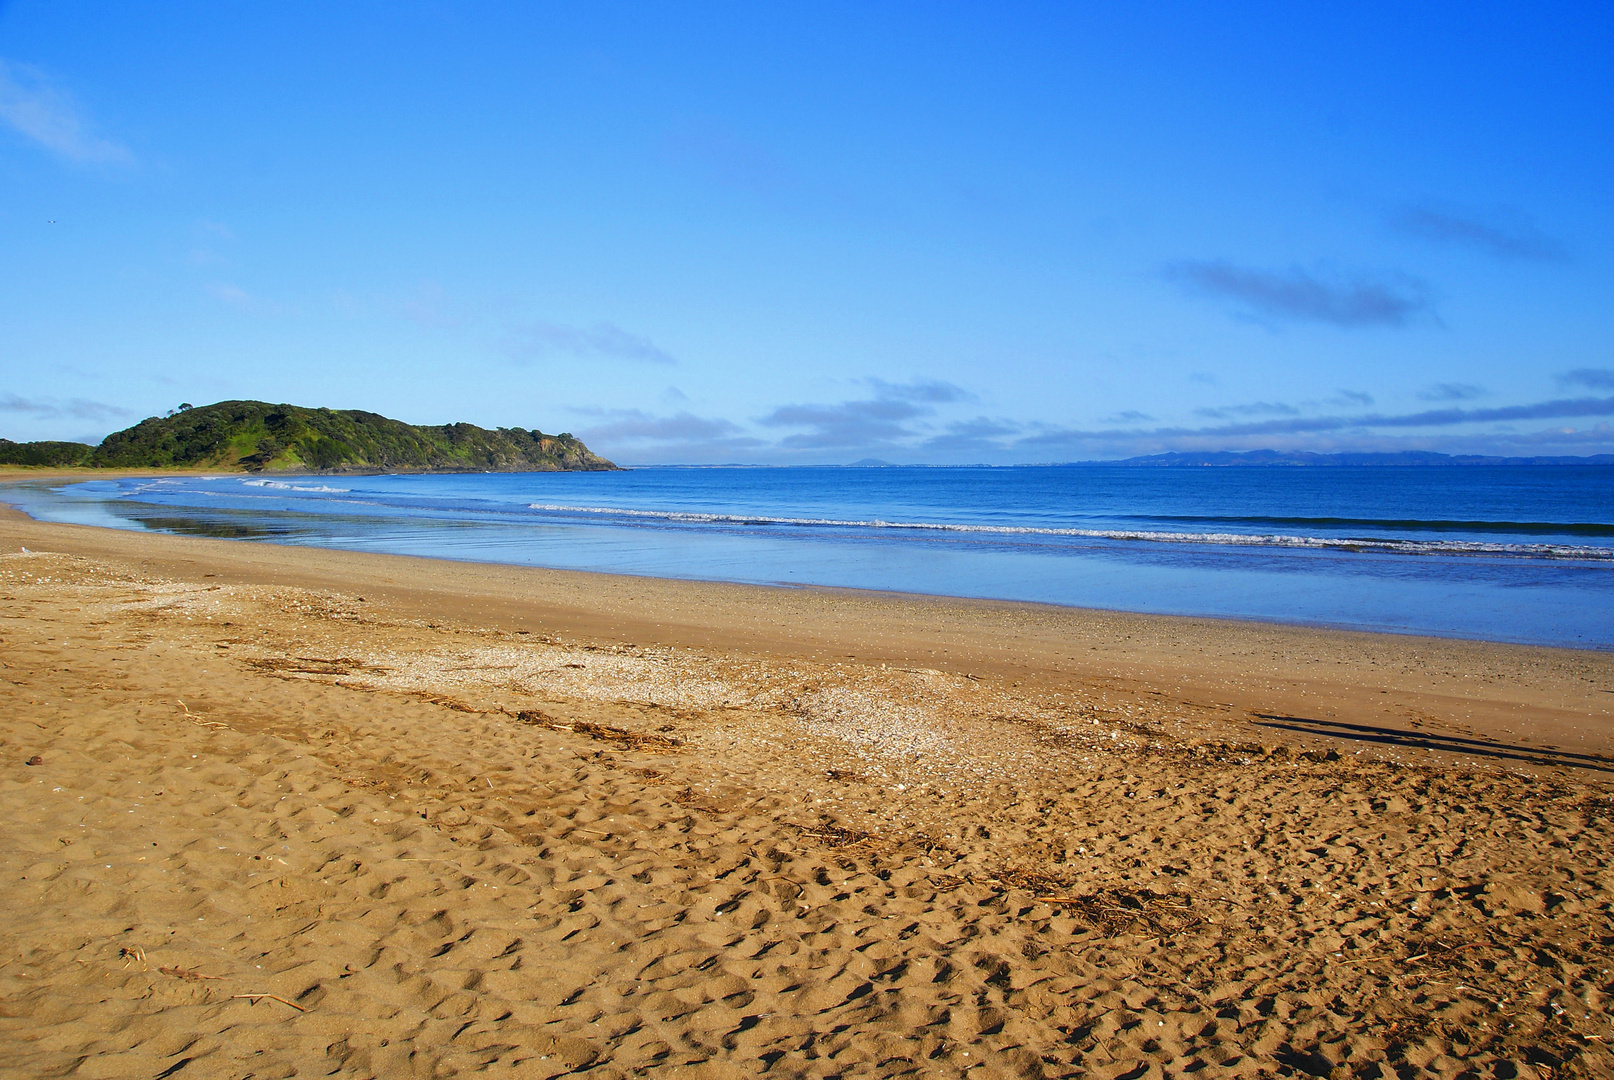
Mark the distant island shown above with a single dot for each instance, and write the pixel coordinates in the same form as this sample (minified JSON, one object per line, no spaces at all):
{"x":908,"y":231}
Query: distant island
{"x":254,"y":436}
{"x":1303,"y":458}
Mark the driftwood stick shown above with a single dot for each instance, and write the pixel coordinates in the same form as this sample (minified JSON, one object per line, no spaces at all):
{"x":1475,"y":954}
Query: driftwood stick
{"x":272,"y":997}
{"x":193,"y":718}
{"x":187,"y":974}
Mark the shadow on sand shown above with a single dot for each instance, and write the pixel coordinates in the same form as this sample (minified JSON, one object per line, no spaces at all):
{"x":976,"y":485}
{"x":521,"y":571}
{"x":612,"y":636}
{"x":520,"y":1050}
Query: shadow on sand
{"x":1450,"y":744}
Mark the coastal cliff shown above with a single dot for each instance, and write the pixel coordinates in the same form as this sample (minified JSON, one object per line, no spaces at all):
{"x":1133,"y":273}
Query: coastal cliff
{"x":255,"y":436}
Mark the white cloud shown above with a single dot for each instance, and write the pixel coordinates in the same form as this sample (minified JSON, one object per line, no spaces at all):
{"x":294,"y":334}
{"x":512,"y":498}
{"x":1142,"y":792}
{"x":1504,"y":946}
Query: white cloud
{"x":34,"y":108}
{"x":541,"y":340}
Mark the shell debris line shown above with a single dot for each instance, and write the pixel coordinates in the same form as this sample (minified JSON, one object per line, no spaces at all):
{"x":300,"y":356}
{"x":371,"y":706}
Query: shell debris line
{"x":373,"y":844}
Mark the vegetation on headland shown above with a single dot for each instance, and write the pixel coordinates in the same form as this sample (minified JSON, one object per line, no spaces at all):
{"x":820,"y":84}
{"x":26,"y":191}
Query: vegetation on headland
{"x":259,"y":437}
{"x":50,"y":455}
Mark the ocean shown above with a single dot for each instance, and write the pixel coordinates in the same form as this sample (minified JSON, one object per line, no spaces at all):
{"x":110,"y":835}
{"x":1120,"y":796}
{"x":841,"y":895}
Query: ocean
{"x":1517,"y":554}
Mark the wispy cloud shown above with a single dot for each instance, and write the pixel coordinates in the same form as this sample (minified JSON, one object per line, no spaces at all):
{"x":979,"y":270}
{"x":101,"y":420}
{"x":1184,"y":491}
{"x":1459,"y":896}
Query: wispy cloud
{"x":977,"y":439}
{"x":927,"y":390}
{"x":1253,"y":408}
{"x":1359,"y":399}
{"x":636,"y":425}
{"x":869,"y":423}
{"x":1590,"y":378}
{"x":51,"y":409}
{"x":982,"y":427}
{"x":894,"y":427}
{"x":894,"y":418}
{"x":425,"y":303}
{"x":206,"y":239}
{"x":234,"y":295}
{"x":1563,"y":408}
{"x":627,"y":435}
{"x":1297,"y":294}
{"x":541,"y":340}
{"x":428,"y":305}
{"x":34,"y":108}
{"x":875,"y":422}
{"x":237,"y":297}
{"x":1502,"y":233}
{"x":1451,"y":391}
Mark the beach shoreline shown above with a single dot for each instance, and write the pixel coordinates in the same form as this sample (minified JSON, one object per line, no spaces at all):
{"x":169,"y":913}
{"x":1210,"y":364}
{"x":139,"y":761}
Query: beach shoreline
{"x":1545,"y":695}
{"x":273,"y":808}
{"x":770,"y":527}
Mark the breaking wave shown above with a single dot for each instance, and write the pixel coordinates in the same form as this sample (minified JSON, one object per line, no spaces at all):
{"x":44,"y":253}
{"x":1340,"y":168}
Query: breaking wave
{"x":1579,"y":552}
{"x":281,"y":485}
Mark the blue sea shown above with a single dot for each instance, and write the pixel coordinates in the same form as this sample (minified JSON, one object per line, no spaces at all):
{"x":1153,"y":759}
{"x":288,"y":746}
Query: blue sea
{"x":1522,"y":554}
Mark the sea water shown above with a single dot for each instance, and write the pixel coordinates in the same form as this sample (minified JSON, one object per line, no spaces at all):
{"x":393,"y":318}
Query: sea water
{"x":1522,"y":554}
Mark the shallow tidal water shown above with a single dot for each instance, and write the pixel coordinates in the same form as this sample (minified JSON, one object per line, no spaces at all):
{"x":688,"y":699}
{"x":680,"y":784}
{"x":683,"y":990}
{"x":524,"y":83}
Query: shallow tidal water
{"x":1518,"y":554}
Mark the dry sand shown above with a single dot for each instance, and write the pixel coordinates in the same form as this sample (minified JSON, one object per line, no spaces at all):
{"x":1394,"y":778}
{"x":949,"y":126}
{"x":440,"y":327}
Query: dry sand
{"x":277,"y":812}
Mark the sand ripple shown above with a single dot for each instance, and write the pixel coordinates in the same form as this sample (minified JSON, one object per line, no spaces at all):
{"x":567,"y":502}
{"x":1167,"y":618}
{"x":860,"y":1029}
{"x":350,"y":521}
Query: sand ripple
{"x":279,"y":832}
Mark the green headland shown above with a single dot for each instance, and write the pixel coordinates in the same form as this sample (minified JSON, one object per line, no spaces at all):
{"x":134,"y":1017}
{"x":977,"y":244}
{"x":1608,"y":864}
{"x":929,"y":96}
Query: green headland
{"x":254,"y":436}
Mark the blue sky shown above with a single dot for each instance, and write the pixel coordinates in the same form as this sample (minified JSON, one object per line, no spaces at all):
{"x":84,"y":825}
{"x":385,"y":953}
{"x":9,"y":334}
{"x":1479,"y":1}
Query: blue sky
{"x":818,"y":232}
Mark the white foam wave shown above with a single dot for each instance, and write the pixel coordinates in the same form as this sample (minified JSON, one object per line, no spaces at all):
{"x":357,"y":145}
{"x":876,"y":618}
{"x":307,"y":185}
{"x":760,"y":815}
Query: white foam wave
{"x":281,"y":485}
{"x":1222,"y":539}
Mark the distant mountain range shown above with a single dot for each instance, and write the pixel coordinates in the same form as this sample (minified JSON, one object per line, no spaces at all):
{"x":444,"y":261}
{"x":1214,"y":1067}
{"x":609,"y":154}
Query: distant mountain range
{"x":1285,"y":458}
{"x":1302,"y":458}
{"x":255,"y":436}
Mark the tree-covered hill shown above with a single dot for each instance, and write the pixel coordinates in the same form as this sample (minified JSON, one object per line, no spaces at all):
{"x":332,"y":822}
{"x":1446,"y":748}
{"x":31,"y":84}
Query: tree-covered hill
{"x":259,"y":437}
{"x":52,"y":454}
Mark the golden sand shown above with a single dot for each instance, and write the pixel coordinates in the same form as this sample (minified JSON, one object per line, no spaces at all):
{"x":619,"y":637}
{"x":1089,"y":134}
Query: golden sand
{"x":277,"y":812}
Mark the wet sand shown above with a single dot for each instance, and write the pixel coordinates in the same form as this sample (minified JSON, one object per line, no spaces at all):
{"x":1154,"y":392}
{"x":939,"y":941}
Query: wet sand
{"x":300,"y":812}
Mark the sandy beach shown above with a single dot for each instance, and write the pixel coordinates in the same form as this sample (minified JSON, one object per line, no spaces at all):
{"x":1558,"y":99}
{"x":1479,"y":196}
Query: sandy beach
{"x":274,"y":811}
